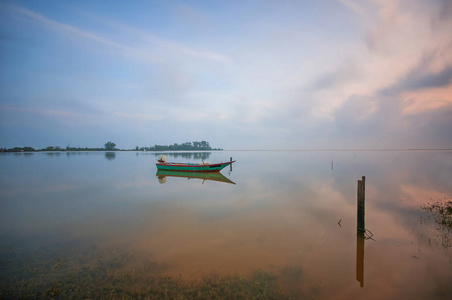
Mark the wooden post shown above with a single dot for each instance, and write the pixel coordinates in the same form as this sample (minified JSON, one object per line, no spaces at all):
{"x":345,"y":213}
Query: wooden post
{"x":230,"y":166}
{"x":361,"y":204}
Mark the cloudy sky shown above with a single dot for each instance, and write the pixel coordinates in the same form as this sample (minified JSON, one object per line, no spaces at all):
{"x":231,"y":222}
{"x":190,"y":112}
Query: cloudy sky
{"x":239,"y":74}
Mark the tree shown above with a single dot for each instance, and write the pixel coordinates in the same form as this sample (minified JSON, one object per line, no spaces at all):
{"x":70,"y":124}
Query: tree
{"x":110,"y":146}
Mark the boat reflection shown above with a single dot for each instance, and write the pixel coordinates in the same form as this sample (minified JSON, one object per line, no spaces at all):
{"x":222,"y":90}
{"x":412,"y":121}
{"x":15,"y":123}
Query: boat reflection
{"x":213,"y":176}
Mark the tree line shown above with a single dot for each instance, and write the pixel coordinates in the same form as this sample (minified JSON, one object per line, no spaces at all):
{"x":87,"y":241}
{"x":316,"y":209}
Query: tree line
{"x":187,"y":146}
{"x":51,"y":149}
{"x":110,"y":146}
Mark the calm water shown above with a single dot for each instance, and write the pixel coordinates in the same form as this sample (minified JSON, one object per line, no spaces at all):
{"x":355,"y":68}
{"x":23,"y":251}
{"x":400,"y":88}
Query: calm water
{"x":279,"y":225}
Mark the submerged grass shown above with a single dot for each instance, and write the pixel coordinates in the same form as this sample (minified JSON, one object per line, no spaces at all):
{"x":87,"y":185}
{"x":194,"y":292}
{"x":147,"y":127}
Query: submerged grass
{"x":442,"y":215}
{"x":90,"y":274}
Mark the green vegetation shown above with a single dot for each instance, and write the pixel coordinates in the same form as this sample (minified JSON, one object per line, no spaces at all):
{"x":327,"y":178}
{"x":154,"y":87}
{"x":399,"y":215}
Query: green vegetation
{"x":18,"y":149}
{"x":110,"y":146}
{"x":187,"y":146}
{"x":50,"y":149}
{"x":90,"y":273}
{"x":442,"y":215}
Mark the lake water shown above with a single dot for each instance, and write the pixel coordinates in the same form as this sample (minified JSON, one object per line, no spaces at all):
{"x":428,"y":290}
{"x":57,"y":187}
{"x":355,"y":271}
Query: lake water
{"x":279,"y":225}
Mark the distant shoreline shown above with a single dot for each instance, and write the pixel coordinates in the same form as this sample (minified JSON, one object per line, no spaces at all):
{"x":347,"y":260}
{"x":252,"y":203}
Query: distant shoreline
{"x":110,"y":146}
{"x":102,"y":150}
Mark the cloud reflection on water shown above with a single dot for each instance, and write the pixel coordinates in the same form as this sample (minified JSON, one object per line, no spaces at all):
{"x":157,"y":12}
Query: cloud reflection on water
{"x":279,"y":215}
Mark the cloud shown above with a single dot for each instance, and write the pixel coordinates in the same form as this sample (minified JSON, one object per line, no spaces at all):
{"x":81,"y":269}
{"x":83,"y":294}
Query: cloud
{"x":44,"y":111}
{"x":345,"y":72}
{"x":426,"y":100}
{"x":421,"y":77}
{"x":356,"y":7}
{"x":431,"y":80}
{"x":57,"y":26}
{"x":428,"y":85}
{"x":158,"y":51}
{"x":139,"y":117}
{"x":164,"y":50}
{"x":438,"y":123}
{"x":445,"y":12}
{"x":397,"y":93}
{"x":285,"y":79}
{"x":405,"y":57}
{"x":380,"y":123}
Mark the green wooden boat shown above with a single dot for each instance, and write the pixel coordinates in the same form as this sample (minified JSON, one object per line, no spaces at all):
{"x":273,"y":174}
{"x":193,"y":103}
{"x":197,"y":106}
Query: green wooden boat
{"x":213,"y":176}
{"x":162,"y":164}
{"x":188,"y":167}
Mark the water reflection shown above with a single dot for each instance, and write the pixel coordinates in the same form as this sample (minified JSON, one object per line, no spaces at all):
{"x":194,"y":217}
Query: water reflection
{"x":110,"y":155}
{"x":112,"y":228}
{"x":186,"y":155}
{"x":52,"y":154}
{"x":360,"y":258}
{"x":21,"y":154}
{"x":212,"y":176}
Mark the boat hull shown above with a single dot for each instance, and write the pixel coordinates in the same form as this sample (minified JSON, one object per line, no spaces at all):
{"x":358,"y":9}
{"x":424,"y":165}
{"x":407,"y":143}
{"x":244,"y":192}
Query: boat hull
{"x":193,"y":167}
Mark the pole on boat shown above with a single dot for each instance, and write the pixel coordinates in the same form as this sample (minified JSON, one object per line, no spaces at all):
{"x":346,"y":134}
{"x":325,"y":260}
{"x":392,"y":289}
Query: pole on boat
{"x":361,"y":205}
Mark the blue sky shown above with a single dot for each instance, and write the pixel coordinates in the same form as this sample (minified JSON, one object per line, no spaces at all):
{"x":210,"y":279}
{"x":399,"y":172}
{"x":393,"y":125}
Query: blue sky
{"x":239,"y":74}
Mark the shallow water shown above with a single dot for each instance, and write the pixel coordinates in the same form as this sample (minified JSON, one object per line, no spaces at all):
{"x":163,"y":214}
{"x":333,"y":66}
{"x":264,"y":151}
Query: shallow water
{"x":76,"y":222}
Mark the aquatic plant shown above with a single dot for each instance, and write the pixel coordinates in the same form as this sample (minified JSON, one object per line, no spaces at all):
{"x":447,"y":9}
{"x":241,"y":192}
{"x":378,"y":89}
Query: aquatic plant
{"x":92,"y":273}
{"x":442,"y":215}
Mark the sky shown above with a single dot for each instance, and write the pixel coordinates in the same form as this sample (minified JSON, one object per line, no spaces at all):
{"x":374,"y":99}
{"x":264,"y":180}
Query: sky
{"x":276,"y":75}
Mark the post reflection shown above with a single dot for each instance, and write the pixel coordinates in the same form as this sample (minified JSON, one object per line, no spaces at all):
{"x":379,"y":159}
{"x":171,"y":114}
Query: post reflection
{"x":212,"y":176}
{"x":360,"y":258}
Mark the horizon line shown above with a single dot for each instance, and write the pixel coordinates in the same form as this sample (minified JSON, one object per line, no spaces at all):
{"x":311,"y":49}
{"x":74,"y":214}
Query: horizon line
{"x":346,"y":149}
{"x":280,"y":150}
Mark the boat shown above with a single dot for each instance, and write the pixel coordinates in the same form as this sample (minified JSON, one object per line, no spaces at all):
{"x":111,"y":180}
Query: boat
{"x":213,"y":176}
{"x":162,"y":164}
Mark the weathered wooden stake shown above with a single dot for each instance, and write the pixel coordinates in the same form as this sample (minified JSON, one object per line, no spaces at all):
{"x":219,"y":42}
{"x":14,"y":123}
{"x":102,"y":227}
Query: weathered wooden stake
{"x":230,"y":166}
{"x":361,"y":204}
